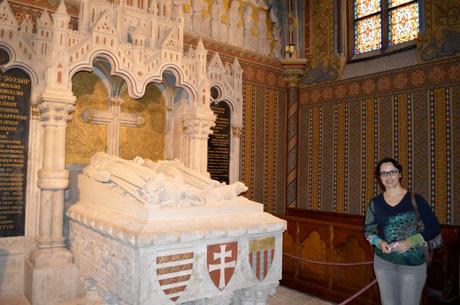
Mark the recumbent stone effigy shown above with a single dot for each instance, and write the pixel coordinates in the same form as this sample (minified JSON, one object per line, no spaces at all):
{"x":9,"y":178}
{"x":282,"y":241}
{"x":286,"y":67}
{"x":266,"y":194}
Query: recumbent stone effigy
{"x":159,"y":233}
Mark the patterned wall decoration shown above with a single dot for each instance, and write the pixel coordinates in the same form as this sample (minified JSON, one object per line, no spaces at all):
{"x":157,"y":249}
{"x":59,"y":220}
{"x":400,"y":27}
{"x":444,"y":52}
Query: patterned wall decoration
{"x":442,"y":35}
{"x":248,"y":135}
{"x":303,"y":161}
{"x":369,"y":132}
{"x":260,"y":147}
{"x":263,"y":140}
{"x":315,"y":153}
{"x":270,"y":163}
{"x":340,"y":143}
{"x":263,"y":151}
{"x":440,"y":148}
{"x":403,"y":133}
{"x":455,"y":153}
{"x":418,"y":123}
{"x":323,"y":63}
{"x":443,"y":72}
{"x":281,"y":153}
{"x":327,"y":161}
{"x":354,"y":164}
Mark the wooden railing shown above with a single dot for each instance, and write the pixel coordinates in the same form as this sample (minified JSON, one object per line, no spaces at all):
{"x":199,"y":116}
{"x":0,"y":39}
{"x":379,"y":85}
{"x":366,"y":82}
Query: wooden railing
{"x":338,"y":238}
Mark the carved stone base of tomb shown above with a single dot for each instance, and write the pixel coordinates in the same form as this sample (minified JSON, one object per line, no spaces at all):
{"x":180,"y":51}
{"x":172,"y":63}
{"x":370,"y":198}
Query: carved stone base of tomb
{"x":224,"y":253}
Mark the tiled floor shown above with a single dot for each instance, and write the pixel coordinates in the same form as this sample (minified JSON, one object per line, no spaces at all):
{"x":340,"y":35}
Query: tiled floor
{"x":287,"y":296}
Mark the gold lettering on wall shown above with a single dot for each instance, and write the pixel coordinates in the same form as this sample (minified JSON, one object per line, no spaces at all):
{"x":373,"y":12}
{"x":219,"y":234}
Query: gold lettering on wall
{"x":14,"y":117}
{"x":219,"y":143}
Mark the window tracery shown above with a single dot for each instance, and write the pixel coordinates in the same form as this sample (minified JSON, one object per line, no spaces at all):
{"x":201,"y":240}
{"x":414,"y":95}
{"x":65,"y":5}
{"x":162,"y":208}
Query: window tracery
{"x":382,"y":24}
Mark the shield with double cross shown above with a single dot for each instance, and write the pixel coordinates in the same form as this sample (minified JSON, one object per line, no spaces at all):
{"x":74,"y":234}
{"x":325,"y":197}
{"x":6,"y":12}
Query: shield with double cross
{"x":221,"y":261}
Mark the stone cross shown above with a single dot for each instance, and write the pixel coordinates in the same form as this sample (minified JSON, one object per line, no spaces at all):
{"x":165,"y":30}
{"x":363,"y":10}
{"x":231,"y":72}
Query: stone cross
{"x":222,"y":255}
{"x":114,"y":118}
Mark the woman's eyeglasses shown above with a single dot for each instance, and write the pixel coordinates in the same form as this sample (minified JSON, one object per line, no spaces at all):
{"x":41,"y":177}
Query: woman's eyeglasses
{"x":389,"y":173}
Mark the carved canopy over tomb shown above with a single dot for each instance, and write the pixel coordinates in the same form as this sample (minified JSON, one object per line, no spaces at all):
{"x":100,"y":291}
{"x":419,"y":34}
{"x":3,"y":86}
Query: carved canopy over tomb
{"x":140,"y":43}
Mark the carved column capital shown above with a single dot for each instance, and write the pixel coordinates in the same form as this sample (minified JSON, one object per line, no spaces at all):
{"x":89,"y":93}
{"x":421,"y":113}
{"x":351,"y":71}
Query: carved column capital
{"x":293,"y":77}
{"x":197,"y":125}
{"x":294,"y":70}
{"x":55,"y":114}
{"x":55,"y":108}
{"x":197,"y":128}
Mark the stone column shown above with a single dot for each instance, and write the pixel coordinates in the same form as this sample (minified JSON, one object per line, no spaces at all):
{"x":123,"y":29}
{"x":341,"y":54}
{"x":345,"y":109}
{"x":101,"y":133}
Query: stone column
{"x":293,"y":74}
{"x":197,"y":130}
{"x":50,"y":275}
{"x":33,"y":165}
{"x":169,"y":133}
{"x":234,"y":168}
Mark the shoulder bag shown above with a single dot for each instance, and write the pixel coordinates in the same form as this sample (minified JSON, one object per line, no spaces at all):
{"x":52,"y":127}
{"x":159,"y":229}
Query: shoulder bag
{"x":432,"y":244}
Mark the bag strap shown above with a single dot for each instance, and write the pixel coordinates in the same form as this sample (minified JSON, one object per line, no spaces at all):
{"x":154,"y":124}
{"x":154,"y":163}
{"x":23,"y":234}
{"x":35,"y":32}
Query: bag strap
{"x":414,"y":204}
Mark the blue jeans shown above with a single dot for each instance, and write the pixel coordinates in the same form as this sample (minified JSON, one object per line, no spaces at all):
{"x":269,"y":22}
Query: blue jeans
{"x":399,"y":284}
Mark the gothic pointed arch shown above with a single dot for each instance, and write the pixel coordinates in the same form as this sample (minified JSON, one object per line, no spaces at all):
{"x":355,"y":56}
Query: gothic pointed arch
{"x":227,"y":80}
{"x":54,"y":53}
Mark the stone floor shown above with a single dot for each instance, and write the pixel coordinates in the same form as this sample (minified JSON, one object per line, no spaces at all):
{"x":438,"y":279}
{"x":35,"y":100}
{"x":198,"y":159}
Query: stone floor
{"x":287,"y":296}
{"x":14,"y":300}
{"x":284,"y":296}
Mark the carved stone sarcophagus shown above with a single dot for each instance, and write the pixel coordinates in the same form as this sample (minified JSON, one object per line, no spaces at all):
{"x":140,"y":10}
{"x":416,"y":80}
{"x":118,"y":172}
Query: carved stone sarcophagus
{"x":158,"y":233}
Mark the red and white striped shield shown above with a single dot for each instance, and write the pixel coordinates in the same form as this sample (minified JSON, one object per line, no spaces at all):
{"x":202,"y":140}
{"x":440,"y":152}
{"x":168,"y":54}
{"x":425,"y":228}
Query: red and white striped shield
{"x":221,"y":260}
{"x":261,"y":253}
{"x":174,"y":272}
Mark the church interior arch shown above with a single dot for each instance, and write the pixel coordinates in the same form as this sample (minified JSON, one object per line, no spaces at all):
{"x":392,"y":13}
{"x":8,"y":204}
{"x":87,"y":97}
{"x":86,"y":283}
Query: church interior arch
{"x":96,"y":92}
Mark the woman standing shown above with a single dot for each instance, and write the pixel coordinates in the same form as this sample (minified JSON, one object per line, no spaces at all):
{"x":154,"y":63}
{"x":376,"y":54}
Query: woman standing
{"x":391,"y":226}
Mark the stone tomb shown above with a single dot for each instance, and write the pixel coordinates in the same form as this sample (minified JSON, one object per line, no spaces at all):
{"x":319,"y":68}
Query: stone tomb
{"x":159,"y":233}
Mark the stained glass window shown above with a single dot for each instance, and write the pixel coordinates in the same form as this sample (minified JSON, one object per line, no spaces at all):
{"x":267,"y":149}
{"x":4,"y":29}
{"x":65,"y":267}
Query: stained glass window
{"x":368,"y":34}
{"x":403,"y":24}
{"x":394,"y":3}
{"x":379,"y":24}
{"x":366,"y":7}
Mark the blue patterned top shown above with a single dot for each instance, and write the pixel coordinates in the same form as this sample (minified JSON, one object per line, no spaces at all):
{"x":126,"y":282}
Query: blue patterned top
{"x":398,"y":223}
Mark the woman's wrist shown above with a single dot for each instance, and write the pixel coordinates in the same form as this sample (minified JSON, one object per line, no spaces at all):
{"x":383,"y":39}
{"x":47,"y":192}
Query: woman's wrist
{"x":374,"y":240}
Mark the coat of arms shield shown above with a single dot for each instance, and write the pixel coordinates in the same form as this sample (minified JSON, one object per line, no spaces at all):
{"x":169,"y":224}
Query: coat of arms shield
{"x":174,"y":272}
{"x":261,"y":253}
{"x":221,"y":261}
